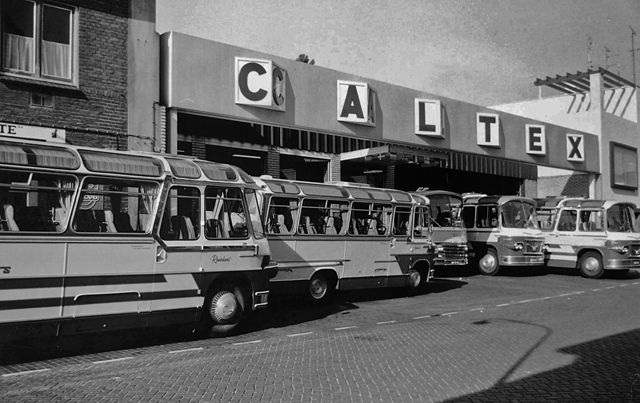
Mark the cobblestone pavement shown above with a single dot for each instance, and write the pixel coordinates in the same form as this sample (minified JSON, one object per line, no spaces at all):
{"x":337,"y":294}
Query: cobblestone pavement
{"x":560,"y":340}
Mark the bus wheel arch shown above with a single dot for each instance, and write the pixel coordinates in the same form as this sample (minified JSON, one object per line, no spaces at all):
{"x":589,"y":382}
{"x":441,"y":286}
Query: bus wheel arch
{"x":488,"y":263}
{"x":226,"y":303}
{"x":590,"y":264}
{"x":322,"y":285}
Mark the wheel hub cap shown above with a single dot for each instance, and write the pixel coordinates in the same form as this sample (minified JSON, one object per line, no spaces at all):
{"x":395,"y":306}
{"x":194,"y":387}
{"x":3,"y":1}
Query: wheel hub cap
{"x":224,"y":307}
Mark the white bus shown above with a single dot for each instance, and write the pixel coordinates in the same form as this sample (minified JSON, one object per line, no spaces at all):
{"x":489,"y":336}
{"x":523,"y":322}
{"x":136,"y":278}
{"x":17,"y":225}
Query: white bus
{"x":327,"y":237}
{"x":502,"y":231}
{"x":94,"y":240}
{"x":449,"y":233}
{"x":594,"y":236}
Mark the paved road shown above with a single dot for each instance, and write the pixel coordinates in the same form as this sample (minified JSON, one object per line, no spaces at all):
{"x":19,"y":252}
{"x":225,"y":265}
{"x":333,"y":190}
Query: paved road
{"x":521,"y":337}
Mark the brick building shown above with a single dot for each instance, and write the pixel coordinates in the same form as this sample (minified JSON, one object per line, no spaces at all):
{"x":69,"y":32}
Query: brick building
{"x":84,"y":72}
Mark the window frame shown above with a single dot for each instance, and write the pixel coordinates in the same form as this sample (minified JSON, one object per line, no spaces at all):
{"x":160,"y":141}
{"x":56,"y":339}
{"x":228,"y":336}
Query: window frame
{"x":613,"y":159}
{"x":38,"y":34}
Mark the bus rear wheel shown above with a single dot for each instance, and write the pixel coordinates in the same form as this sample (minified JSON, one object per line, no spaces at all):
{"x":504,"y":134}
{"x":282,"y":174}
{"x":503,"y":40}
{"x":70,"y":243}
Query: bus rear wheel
{"x":320,"y":288}
{"x":223,"y":310}
{"x":591,"y":265}
{"x":489,"y":264}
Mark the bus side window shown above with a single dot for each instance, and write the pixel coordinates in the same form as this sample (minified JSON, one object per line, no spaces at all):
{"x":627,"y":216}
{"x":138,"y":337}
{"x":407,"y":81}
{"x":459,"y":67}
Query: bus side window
{"x":567,"y":220}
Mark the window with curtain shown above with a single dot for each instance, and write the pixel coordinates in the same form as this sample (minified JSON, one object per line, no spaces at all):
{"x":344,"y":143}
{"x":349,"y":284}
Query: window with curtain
{"x":624,"y":166}
{"x":37,"y":39}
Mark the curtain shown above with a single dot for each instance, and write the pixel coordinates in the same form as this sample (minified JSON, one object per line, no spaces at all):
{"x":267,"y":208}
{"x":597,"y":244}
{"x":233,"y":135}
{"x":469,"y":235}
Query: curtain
{"x":18,"y":53}
{"x":65,"y":197}
{"x":148,"y":196}
{"x":56,"y":59}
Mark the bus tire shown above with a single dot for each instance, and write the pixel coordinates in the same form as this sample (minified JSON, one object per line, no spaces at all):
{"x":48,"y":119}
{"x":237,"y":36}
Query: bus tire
{"x":320,"y":288}
{"x":488,"y":264}
{"x":223,"y":310}
{"x":591,"y":265}
{"x":414,"y":280}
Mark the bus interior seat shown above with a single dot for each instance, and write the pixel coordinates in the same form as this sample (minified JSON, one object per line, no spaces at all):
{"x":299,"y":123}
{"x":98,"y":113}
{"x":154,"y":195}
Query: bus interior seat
{"x":281,"y":225}
{"x":7,"y":221}
{"x":329,"y":227}
{"x":311,"y":229}
{"x":183,"y":227}
{"x":372,"y":227}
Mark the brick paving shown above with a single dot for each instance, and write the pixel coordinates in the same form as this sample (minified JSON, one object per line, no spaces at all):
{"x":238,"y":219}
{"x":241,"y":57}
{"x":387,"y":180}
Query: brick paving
{"x":572,"y":348}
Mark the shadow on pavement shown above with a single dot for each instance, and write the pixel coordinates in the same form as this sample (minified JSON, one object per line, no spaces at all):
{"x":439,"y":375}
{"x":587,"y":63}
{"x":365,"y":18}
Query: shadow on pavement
{"x":604,"y":370}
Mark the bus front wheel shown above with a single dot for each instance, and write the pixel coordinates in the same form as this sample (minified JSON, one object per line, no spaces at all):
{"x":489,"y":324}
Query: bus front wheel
{"x":591,"y":265}
{"x":489,"y":264}
{"x":223,"y":309}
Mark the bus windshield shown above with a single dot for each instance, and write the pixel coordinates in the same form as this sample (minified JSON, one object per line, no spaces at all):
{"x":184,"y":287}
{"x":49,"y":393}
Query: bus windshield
{"x":620,"y":218}
{"x":518,"y":214}
{"x":445,"y":210}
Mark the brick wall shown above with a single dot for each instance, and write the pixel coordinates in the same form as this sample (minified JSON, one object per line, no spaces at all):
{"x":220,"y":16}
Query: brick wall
{"x":95,"y":114}
{"x":273,"y":162}
{"x":576,"y":184}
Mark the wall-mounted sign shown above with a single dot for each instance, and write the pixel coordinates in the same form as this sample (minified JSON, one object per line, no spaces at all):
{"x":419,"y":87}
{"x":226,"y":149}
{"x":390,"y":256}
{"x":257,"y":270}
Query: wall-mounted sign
{"x":260,"y":83}
{"x":575,"y":147}
{"x":536,"y":140}
{"x":356,"y":103}
{"x":33,"y":132}
{"x":428,"y":117}
{"x":488,"y":129}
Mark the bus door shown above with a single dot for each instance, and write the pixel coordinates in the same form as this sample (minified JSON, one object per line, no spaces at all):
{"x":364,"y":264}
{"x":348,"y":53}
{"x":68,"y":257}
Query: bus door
{"x":109,"y":265}
{"x":481,"y":222}
{"x":178,"y":275}
{"x":367,"y":254}
{"x":410,"y":240}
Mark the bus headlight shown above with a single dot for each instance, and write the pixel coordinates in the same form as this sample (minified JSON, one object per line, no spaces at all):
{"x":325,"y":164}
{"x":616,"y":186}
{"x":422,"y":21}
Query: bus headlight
{"x":623,"y":250}
{"x":516,"y":246}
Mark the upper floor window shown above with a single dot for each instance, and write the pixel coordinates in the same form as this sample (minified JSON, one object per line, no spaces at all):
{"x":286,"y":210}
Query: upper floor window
{"x":37,"y":39}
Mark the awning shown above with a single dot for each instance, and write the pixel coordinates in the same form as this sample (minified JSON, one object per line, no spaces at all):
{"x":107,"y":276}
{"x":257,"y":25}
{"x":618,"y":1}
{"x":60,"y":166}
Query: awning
{"x":395,"y":154}
{"x":580,"y":82}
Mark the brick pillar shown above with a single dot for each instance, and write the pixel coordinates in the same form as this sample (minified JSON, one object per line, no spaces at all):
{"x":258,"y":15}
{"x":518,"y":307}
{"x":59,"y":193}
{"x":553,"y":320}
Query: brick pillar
{"x":198,"y":147}
{"x":334,"y":171}
{"x":273,"y":162}
{"x":390,"y":177}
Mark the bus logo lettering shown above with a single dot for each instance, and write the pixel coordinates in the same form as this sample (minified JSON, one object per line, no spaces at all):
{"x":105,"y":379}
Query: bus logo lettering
{"x":5,"y":269}
{"x":218,"y":259}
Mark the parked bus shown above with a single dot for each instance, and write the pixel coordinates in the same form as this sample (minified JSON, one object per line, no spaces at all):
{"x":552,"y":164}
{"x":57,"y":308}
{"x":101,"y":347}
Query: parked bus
{"x":94,"y":240}
{"x":449,"y":235}
{"x":327,"y":237}
{"x":502,"y":231}
{"x":593,"y":236}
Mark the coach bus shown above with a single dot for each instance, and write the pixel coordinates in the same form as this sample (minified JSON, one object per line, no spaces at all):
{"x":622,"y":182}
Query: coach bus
{"x":594,"y":236}
{"x":449,"y":235}
{"x":326,"y":237}
{"x":94,"y":240}
{"x":502,"y":231}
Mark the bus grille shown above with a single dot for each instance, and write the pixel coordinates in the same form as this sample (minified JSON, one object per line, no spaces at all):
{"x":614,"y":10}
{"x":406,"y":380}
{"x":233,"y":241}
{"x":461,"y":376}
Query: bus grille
{"x":532,"y":246}
{"x":453,"y":251}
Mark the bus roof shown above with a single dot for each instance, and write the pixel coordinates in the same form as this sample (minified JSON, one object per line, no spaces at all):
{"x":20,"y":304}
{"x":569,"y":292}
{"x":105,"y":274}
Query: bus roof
{"x":67,"y":157}
{"x":593,"y":203}
{"x":428,"y":192}
{"x":336,"y":190}
{"x":484,"y":199}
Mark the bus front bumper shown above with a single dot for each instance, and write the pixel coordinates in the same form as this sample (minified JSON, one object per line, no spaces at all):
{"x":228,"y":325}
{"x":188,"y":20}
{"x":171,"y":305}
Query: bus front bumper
{"x":623,"y":264}
{"x":526,"y":260}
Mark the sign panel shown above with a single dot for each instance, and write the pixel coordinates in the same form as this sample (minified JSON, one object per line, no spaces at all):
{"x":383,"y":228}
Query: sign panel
{"x":536,"y":140}
{"x":356,"y":103}
{"x":33,"y":132}
{"x":575,"y":147}
{"x":260,"y":83}
{"x":428,"y":117}
{"x":488,"y":129}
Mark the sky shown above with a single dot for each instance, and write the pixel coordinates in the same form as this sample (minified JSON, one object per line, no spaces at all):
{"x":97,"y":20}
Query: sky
{"x":485,"y":52}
